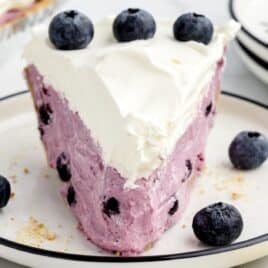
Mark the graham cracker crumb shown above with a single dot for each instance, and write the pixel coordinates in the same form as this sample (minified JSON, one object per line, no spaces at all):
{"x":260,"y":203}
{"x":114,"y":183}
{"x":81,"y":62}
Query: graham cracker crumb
{"x":148,"y":247}
{"x":35,"y":233}
{"x":201,"y":191}
{"x":13,"y":178}
{"x":26,"y":171}
{"x":239,"y":178}
{"x":236,"y":196}
{"x":175,"y":61}
{"x":117,"y":253}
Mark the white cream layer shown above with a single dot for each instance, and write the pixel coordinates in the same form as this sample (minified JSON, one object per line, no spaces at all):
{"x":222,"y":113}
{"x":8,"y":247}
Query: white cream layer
{"x":137,"y":98}
{"x":6,"y":5}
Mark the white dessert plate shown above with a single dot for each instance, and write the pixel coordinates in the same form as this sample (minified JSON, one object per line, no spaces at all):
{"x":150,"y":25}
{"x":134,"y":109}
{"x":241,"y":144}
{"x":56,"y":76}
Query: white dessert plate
{"x":256,"y":65}
{"x":38,"y":230}
{"x":252,"y":16}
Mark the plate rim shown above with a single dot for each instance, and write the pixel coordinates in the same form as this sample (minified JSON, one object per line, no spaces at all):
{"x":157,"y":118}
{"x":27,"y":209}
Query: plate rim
{"x":154,"y":258}
{"x":244,"y":29}
{"x":257,"y":60}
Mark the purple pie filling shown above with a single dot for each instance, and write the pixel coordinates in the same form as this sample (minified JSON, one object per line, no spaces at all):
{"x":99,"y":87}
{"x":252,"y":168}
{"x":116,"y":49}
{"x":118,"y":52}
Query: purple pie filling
{"x":114,"y":218}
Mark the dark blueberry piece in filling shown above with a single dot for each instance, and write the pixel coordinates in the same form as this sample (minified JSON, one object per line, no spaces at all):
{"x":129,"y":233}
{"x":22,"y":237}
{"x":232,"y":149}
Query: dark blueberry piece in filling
{"x":248,"y":150}
{"x":5,"y":191}
{"x":189,"y":166}
{"x":208,"y":109}
{"x":63,"y":168}
{"x":45,"y":91}
{"x":111,"y":207}
{"x":71,"y":196}
{"x":71,"y":30}
{"x":45,"y":113}
{"x":174,"y":208}
{"x":134,"y":24}
{"x":218,"y":224}
{"x":193,"y":27}
{"x":41,"y":131}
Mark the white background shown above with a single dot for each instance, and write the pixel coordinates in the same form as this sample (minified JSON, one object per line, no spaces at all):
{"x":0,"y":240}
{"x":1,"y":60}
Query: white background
{"x":237,"y":78}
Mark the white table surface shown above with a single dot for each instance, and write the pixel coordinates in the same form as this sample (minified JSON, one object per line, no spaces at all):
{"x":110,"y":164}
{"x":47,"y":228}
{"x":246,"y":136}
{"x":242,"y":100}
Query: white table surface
{"x":237,"y":78}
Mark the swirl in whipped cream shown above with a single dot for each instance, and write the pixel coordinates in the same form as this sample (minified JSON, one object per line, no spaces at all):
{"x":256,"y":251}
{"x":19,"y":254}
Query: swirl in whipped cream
{"x":137,"y":98}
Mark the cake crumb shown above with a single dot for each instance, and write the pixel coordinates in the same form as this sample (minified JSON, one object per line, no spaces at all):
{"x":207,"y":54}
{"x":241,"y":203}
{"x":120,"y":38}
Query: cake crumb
{"x":35,"y":233}
{"x":12,"y":219}
{"x":183,"y":226}
{"x":26,"y":171}
{"x":12,"y":195}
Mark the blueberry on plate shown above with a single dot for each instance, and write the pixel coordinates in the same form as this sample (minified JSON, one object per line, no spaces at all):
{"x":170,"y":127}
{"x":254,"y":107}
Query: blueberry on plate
{"x":134,"y":24}
{"x":193,"y":27}
{"x":71,"y":30}
{"x":218,"y":224}
{"x":248,"y":150}
{"x":5,"y":191}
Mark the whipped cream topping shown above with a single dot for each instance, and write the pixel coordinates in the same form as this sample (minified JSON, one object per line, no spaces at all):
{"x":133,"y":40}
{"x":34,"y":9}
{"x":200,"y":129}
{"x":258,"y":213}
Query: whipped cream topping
{"x":6,"y":5}
{"x":137,"y":98}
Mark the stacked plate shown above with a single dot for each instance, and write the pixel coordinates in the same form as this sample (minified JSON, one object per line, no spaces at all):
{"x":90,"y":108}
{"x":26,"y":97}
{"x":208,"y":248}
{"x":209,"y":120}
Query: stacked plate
{"x":252,"y":40}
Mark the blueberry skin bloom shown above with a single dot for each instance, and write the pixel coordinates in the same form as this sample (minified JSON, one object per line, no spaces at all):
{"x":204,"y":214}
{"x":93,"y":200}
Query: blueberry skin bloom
{"x":248,"y":150}
{"x":71,"y":30}
{"x":134,"y":24}
{"x":193,"y":27}
{"x":218,"y":224}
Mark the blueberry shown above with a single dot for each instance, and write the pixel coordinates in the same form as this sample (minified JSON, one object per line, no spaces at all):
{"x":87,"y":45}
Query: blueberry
{"x":111,"y":207}
{"x":45,"y":113}
{"x":71,"y":196}
{"x":174,"y":208}
{"x":134,"y":24}
{"x":193,"y":27}
{"x":63,"y":168}
{"x":71,"y":30}
{"x":5,"y":191}
{"x":208,"y":109}
{"x":218,"y":225}
{"x":248,"y":150}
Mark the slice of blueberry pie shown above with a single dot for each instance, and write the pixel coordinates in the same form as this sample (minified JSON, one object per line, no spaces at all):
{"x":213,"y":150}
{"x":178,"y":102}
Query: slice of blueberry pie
{"x":15,"y":15}
{"x":124,"y":110}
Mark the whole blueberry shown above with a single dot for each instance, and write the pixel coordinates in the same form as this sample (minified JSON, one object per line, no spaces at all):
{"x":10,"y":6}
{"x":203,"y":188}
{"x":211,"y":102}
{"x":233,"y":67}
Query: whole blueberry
{"x":5,"y":191}
{"x":248,"y":150}
{"x":193,"y":27}
{"x":218,"y":225}
{"x":134,"y":24}
{"x":71,"y":30}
